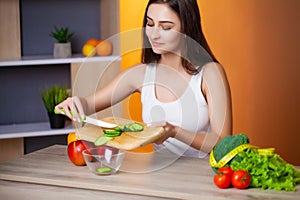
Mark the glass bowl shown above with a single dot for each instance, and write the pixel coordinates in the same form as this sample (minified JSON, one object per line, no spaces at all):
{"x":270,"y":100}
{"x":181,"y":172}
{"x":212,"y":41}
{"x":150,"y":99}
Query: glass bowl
{"x":103,"y":160}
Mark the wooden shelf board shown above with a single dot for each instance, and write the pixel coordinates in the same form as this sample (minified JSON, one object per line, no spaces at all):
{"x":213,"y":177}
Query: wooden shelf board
{"x":32,"y":130}
{"x":49,"y":59}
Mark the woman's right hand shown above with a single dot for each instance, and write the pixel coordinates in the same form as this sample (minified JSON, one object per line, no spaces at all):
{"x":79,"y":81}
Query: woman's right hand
{"x":72,"y":108}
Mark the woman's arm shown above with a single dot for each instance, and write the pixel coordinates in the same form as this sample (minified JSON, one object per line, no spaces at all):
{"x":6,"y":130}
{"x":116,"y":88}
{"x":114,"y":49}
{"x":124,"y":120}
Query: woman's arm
{"x":126,"y":83}
{"x":216,"y":89}
{"x":119,"y":88}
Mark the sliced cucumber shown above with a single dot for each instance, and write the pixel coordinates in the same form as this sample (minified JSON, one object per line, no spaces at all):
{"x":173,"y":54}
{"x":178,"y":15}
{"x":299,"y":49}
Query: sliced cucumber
{"x":103,"y":169}
{"x":133,"y":127}
{"x":102,"y":140}
{"x":119,"y":128}
{"x":112,"y":133}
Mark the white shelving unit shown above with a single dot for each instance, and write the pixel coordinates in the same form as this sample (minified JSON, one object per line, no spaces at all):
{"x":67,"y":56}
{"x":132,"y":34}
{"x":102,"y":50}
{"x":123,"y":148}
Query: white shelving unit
{"x":50,"y":60}
{"x":43,"y":128}
{"x":10,"y":47}
{"x":32,"y":130}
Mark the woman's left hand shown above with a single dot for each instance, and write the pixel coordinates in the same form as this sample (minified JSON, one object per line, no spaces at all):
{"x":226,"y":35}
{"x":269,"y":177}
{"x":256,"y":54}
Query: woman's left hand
{"x":169,"y":131}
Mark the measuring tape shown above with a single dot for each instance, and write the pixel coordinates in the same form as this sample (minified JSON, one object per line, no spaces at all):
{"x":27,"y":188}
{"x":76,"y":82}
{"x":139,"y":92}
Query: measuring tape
{"x":234,"y":152}
{"x":266,"y":151}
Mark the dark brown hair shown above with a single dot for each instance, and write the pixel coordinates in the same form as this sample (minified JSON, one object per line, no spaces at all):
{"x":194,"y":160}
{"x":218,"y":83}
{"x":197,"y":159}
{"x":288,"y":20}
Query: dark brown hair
{"x":196,"y":51}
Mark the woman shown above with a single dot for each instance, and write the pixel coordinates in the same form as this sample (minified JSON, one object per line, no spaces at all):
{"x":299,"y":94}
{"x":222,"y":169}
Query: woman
{"x":183,"y":87}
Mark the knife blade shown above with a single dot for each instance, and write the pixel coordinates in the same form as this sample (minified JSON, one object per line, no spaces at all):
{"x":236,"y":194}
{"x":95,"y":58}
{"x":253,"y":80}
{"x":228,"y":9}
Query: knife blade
{"x":98,"y":122}
{"x":93,"y":121}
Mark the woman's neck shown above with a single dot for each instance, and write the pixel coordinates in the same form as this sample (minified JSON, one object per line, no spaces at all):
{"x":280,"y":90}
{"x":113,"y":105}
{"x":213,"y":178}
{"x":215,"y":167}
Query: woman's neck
{"x":171,"y":60}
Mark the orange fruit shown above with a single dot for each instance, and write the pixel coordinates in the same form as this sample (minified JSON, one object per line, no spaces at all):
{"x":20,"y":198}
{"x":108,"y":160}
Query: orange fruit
{"x":93,"y":42}
{"x":88,"y":50}
{"x":144,"y":149}
{"x":104,"y":48}
{"x":72,"y":137}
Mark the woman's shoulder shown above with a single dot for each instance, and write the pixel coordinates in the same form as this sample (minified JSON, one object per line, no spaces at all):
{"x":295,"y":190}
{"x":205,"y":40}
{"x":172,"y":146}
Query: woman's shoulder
{"x":134,"y":70}
{"x":140,"y":67}
{"x":213,"y":68}
{"x":135,"y":74}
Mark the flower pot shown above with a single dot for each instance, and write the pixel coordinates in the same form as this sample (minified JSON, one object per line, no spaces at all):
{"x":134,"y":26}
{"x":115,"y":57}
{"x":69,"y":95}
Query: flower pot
{"x":56,"y":120}
{"x":62,"y":50}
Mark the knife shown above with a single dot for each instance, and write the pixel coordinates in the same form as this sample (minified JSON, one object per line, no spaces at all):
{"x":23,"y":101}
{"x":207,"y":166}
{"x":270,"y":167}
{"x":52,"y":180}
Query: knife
{"x":94,"y":121}
{"x":98,"y":122}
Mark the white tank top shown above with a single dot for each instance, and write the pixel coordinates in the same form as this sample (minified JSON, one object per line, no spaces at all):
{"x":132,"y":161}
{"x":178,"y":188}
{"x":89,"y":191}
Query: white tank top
{"x":190,"y":111}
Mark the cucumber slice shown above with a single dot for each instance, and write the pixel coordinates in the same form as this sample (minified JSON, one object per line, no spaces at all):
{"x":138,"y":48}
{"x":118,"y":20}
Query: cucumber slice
{"x":103,"y":169}
{"x":133,"y":127}
{"x":119,"y":128}
{"x":112,"y":133}
{"x":102,"y":140}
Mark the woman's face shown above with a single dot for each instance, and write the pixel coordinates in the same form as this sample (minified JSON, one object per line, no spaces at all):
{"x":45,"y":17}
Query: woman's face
{"x":163,"y":29}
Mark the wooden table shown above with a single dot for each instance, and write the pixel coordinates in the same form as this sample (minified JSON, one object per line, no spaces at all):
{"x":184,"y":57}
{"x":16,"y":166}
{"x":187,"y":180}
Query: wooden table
{"x":48,"y":174}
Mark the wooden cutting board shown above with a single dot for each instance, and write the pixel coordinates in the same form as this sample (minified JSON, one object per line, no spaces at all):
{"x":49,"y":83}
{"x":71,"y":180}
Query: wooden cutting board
{"x":127,"y":140}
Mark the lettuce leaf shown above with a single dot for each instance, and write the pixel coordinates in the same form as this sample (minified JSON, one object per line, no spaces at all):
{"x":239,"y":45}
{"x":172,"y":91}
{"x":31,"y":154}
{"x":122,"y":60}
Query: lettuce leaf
{"x":267,"y":172}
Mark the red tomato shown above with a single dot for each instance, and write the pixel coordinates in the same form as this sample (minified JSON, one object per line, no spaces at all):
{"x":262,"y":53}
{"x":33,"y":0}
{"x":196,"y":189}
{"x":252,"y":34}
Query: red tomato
{"x":75,"y":149}
{"x":226,"y":170}
{"x":240,"y":179}
{"x":222,"y":180}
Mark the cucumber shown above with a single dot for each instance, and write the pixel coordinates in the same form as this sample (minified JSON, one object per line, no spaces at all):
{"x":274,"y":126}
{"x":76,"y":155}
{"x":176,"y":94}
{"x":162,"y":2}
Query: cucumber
{"x":103,"y":169}
{"x":133,"y":127}
{"x":102,"y":140}
{"x":119,"y":128}
{"x":112,"y":133}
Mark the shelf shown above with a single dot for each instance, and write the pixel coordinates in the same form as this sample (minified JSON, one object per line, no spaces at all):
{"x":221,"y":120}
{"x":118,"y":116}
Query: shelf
{"x":32,"y":130}
{"x":49,"y":60}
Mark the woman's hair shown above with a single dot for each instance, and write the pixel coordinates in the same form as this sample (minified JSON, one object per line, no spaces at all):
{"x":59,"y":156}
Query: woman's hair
{"x":195,"y":51}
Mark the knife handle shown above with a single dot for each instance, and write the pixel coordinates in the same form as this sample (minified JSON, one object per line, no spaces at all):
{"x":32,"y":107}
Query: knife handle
{"x":81,"y":119}
{"x":56,"y":112}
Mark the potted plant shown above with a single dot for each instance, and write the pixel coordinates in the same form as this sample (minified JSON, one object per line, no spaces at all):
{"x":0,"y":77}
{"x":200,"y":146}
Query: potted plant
{"x":52,"y":96}
{"x":62,"y":48}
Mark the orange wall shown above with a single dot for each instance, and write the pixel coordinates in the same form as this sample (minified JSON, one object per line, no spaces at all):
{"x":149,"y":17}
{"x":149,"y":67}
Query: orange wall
{"x":131,"y":19}
{"x":258,"y":44}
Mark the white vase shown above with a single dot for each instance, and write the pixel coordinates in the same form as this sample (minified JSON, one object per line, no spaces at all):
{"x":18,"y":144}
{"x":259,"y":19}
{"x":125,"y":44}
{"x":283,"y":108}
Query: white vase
{"x":62,"y":50}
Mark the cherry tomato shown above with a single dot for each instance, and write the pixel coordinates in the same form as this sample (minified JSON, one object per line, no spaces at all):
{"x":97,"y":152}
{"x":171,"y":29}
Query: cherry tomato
{"x":240,"y":179}
{"x":226,"y":170}
{"x":222,"y":180}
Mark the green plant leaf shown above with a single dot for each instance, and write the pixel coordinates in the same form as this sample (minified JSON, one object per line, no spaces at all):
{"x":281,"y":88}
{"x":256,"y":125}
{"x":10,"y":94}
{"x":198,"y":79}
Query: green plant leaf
{"x":62,"y":34}
{"x":54,"y":95}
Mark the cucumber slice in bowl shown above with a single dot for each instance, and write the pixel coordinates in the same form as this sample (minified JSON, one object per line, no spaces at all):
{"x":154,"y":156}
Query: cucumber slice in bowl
{"x":103,"y":169}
